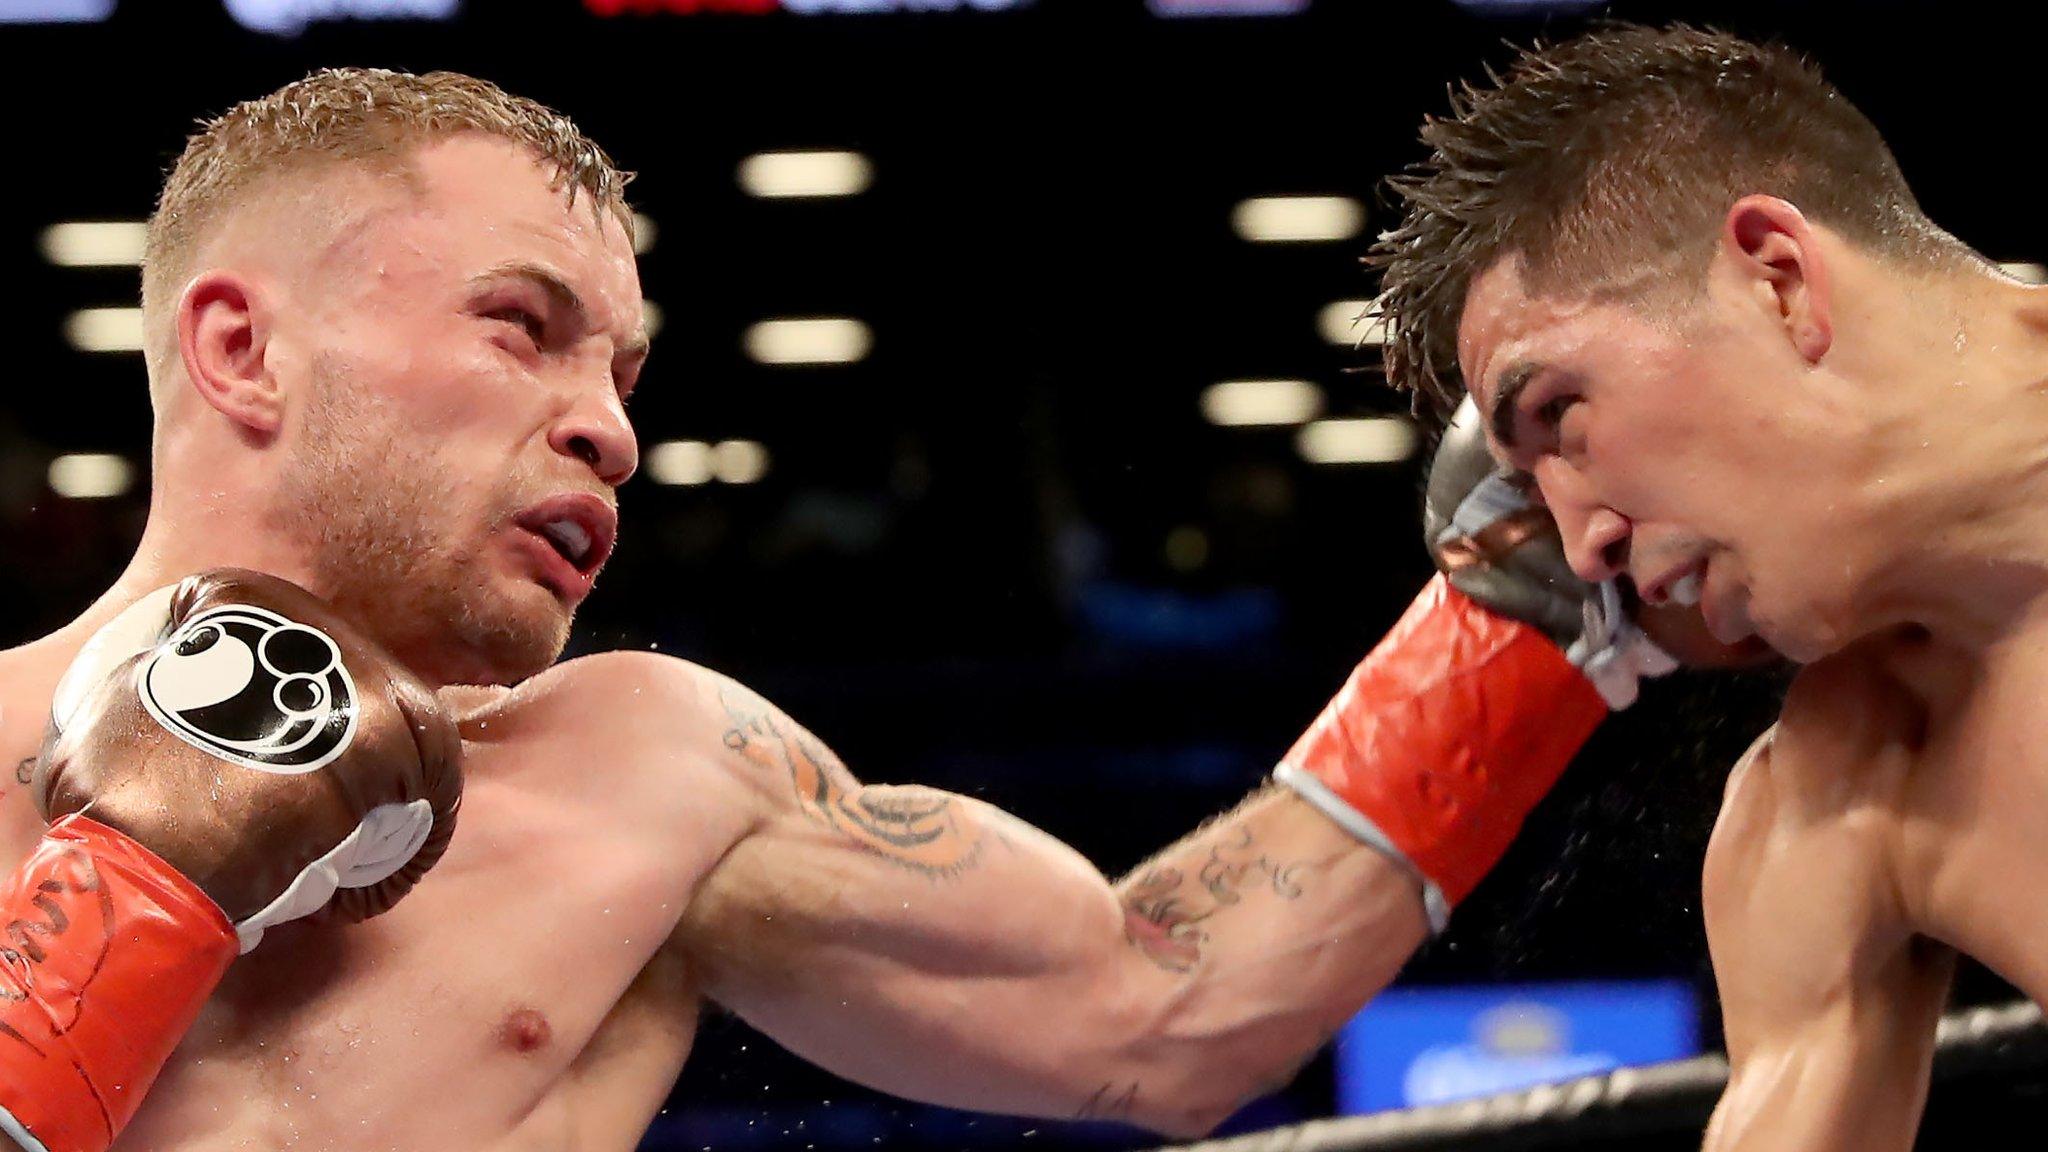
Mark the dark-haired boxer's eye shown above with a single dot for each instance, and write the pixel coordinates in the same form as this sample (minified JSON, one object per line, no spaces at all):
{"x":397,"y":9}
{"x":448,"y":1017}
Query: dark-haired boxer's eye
{"x":302,"y":651}
{"x":198,"y":640}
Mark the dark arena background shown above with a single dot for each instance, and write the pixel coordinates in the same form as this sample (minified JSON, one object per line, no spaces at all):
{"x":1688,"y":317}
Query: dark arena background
{"x":1007,"y":423}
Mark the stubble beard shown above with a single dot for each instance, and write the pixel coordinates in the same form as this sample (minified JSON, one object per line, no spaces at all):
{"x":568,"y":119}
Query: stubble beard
{"x":382,"y":522}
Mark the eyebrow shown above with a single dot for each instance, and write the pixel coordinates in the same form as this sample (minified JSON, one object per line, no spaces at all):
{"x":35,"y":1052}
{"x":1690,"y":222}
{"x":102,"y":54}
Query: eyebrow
{"x":562,"y":296}
{"x":1513,"y":379}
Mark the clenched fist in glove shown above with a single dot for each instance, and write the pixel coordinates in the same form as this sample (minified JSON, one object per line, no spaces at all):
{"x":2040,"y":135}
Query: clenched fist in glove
{"x":226,"y":755}
{"x":1452,"y":729}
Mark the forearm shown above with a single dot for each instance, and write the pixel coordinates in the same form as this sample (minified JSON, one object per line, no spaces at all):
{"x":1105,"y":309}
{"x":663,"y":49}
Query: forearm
{"x":1263,"y":932}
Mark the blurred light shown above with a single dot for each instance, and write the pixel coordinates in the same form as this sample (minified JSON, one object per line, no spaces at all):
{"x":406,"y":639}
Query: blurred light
{"x":849,"y":7}
{"x":644,"y":232}
{"x":2030,"y":273}
{"x":1351,"y":323}
{"x":54,"y":11}
{"x":788,"y":174}
{"x":819,"y":340}
{"x":90,"y":476}
{"x":290,"y":17}
{"x":1246,"y":403}
{"x":679,"y":7}
{"x":678,"y":462}
{"x":105,"y":329}
{"x":650,"y":316}
{"x":1527,"y":7}
{"x":739,"y":461}
{"x":1172,"y":8}
{"x":1187,"y":548}
{"x":93,"y":243}
{"x":1367,"y":440}
{"x":1292,"y":219}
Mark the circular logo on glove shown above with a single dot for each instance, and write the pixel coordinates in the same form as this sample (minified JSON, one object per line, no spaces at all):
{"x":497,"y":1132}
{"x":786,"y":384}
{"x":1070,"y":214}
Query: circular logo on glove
{"x":253,"y":688}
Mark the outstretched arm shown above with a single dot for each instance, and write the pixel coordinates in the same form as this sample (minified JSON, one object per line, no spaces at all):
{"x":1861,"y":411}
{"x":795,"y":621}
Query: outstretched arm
{"x":929,"y":945}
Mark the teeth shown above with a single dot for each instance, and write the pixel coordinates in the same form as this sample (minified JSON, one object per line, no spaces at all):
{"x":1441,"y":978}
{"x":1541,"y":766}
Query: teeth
{"x":1687,"y":591}
{"x":570,"y":537}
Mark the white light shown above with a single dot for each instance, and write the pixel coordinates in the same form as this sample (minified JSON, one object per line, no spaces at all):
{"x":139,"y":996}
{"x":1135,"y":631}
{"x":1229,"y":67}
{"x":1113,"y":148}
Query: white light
{"x":54,"y":11}
{"x":290,"y":17}
{"x":678,"y":462}
{"x":1247,"y":403}
{"x":644,"y":232}
{"x":1368,"y":440}
{"x":739,"y":461}
{"x":1351,"y":323}
{"x":820,"y":340}
{"x":2030,"y":273}
{"x":94,"y":243}
{"x":90,"y":476}
{"x":1293,"y":219}
{"x":651,"y":318}
{"x":105,"y":329}
{"x":787,"y":174}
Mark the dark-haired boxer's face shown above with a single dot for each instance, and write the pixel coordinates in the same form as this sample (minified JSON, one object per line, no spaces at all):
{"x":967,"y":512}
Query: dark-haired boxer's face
{"x":461,"y":425}
{"x":1672,"y":444}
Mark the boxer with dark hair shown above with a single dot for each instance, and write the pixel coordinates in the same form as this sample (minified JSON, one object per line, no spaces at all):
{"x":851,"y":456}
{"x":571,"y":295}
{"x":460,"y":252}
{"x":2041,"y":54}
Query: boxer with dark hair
{"x":391,"y":325}
{"x":1687,"y":285}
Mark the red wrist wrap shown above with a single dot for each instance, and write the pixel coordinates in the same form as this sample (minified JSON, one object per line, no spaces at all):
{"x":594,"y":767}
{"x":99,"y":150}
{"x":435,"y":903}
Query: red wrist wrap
{"x":106,"y":955}
{"x":1448,"y":733}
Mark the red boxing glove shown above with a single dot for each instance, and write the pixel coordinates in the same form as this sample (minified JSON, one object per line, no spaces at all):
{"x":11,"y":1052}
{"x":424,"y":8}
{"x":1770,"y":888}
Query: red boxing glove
{"x":108,"y":955}
{"x":1444,"y":738}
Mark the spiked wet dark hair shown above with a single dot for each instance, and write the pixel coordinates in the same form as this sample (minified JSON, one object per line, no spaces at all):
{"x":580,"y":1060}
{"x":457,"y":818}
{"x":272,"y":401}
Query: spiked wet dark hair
{"x":1608,"y":163}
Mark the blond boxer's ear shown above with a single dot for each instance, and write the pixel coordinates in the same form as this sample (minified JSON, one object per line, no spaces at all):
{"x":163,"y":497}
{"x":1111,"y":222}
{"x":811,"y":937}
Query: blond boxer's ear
{"x":223,"y":336}
{"x":1770,"y":244}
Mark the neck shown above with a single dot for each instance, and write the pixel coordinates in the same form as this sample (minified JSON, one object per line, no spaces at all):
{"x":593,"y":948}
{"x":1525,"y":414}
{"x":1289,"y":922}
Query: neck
{"x":1958,"y":487}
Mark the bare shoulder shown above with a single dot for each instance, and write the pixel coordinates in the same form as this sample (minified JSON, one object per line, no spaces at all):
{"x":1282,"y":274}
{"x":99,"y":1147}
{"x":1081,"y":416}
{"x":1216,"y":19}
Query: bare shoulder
{"x":637,"y":716}
{"x":1813,"y":811}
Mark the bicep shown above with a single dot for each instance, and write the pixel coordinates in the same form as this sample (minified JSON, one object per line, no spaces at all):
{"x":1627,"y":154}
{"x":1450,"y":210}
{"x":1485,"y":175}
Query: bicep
{"x":1829,"y":1001}
{"x":879,"y":880}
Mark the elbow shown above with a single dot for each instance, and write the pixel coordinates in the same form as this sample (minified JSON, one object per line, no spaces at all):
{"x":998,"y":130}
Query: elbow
{"x":1191,"y":1100}
{"x":1191,"y":1122}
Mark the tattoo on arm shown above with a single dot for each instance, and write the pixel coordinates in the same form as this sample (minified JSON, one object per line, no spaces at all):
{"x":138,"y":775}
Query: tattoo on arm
{"x":25,"y":770}
{"x":1164,"y":912}
{"x":1110,"y":1102}
{"x":917,"y":828}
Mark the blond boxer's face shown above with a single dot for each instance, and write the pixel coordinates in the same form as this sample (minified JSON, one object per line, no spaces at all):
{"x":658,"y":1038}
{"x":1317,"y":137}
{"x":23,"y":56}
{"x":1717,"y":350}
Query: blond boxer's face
{"x":460,"y":427}
{"x":1670,"y":441}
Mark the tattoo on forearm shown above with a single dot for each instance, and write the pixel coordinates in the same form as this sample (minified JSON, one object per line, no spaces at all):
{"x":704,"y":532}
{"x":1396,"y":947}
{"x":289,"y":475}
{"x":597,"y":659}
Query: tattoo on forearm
{"x":25,"y":770}
{"x":1164,"y":912}
{"x":916,"y":828}
{"x":1110,"y":1102}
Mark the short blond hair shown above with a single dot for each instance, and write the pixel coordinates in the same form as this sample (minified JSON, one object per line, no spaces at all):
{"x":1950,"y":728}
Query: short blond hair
{"x":372,"y":118}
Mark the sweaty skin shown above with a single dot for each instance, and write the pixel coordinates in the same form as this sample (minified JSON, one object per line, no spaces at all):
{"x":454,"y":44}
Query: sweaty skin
{"x":1844,"y":454}
{"x":639,"y":835}
{"x":541,"y":989}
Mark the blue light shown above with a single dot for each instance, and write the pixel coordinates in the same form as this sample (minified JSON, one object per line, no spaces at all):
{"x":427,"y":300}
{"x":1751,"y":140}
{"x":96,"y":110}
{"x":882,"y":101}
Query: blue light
{"x":1418,"y":1046}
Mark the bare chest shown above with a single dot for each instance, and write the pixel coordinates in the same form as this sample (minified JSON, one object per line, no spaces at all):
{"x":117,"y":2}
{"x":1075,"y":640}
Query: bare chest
{"x":470,"y":1015}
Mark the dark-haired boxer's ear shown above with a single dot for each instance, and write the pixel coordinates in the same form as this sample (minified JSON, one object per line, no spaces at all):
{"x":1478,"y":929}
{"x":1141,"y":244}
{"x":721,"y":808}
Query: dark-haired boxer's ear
{"x":223,"y":336}
{"x":1778,"y":252}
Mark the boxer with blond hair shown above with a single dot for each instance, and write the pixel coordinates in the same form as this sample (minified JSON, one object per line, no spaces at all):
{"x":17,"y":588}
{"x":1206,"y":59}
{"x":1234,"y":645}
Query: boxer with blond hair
{"x":392,"y":322}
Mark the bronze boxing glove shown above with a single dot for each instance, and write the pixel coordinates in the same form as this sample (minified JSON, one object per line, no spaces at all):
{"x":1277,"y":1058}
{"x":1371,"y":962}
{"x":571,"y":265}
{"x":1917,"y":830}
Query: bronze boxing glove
{"x":240,"y":729}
